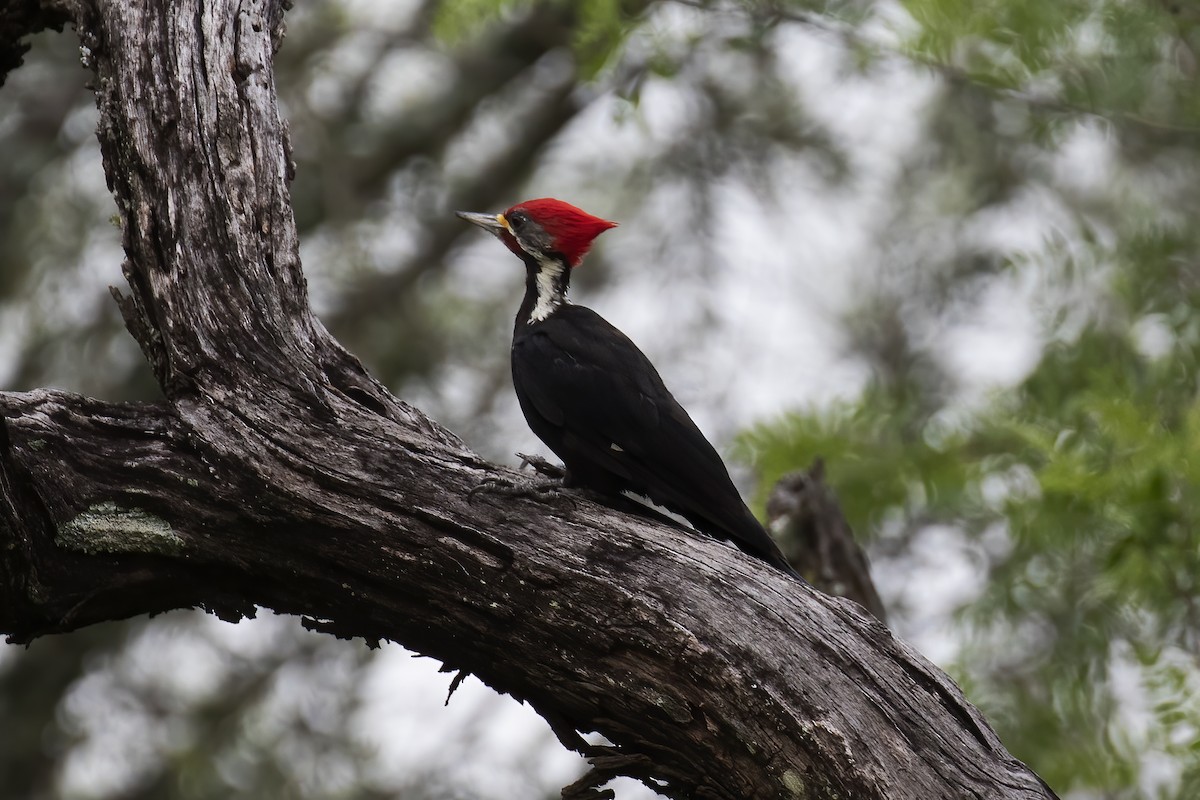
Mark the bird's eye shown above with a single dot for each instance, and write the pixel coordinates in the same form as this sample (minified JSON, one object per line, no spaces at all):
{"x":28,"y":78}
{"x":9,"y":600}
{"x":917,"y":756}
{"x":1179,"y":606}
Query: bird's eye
{"x":529,"y":233}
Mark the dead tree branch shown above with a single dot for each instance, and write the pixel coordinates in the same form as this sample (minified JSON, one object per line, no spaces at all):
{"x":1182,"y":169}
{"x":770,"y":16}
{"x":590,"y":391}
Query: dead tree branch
{"x":805,"y":513}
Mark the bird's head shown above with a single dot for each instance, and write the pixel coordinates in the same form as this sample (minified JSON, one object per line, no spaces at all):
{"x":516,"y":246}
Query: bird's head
{"x":543,"y":228}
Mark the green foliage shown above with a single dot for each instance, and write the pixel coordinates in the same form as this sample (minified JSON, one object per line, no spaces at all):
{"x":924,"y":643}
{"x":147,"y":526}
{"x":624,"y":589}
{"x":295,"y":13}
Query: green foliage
{"x":1111,"y":57}
{"x":599,"y":27}
{"x":1079,"y":486}
{"x":1089,"y":467}
{"x":459,"y":20}
{"x":1033,"y":32}
{"x":1104,"y":551}
{"x":876,"y":450}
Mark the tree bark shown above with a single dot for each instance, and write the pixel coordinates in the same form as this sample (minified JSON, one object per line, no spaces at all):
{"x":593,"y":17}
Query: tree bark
{"x":276,"y":472}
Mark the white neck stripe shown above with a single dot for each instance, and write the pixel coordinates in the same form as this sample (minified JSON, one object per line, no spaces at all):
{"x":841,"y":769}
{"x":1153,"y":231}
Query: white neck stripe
{"x":549,"y":298}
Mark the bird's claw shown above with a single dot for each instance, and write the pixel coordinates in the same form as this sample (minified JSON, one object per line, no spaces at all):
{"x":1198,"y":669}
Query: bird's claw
{"x":517,"y":487}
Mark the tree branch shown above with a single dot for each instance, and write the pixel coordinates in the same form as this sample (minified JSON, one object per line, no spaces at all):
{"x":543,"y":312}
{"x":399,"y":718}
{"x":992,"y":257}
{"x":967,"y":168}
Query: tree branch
{"x":820,"y":543}
{"x":278,"y":473}
{"x":725,"y":675}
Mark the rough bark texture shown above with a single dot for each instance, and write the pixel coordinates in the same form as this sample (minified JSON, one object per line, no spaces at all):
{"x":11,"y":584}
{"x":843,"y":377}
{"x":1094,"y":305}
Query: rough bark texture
{"x":276,"y":472}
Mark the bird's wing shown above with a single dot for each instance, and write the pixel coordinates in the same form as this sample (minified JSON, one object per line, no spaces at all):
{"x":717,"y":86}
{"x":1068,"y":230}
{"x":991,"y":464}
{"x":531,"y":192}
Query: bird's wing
{"x":586,"y":377}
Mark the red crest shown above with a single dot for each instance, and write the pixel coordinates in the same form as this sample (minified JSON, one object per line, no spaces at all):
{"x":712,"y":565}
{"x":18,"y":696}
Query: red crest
{"x":572,"y":229}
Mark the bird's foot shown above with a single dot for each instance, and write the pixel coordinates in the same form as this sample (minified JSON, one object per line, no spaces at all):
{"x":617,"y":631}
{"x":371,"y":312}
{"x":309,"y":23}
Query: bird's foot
{"x":518,"y":487}
{"x":542,"y":467}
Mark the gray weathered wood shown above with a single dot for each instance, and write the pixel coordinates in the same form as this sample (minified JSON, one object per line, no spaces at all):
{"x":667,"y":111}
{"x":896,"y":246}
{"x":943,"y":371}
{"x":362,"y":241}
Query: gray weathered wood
{"x":277,"y":472}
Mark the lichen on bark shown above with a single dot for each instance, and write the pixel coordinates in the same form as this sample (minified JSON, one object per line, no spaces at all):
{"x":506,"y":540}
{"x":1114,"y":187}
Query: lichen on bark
{"x":109,"y":528}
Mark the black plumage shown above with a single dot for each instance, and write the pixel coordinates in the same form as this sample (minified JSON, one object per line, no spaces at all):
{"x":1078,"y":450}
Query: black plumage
{"x":594,"y":398}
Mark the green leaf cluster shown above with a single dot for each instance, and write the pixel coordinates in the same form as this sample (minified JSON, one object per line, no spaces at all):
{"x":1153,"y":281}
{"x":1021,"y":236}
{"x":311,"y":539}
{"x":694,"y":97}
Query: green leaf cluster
{"x":1111,"y":57}
{"x":599,"y":27}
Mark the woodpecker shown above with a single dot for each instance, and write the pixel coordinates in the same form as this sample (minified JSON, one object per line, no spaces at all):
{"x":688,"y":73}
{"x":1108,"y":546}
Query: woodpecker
{"x":594,"y":398}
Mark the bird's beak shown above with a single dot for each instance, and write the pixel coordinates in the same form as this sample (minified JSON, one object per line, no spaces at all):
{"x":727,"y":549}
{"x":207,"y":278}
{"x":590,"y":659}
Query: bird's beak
{"x":494,"y":223}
